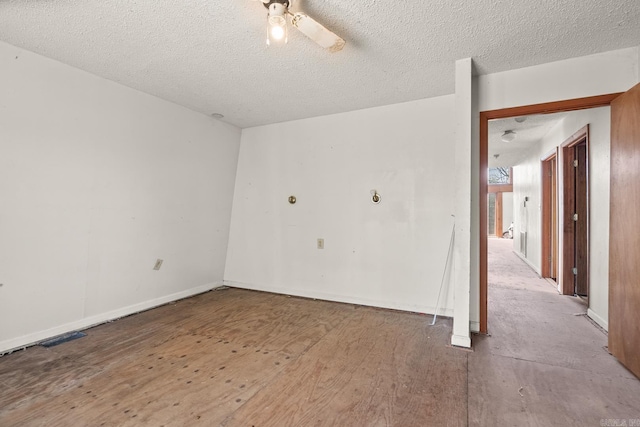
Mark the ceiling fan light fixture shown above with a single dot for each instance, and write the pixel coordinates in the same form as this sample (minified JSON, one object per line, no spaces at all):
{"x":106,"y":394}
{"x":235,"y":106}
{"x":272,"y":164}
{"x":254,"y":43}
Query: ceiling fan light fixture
{"x":508,"y":136}
{"x":316,"y":32}
{"x":277,"y":24}
{"x":277,"y":32}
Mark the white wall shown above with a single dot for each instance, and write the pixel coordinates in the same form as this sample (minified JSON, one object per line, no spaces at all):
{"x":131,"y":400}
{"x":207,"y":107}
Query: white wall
{"x":389,"y":255}
{"x":603,"y":73}
{"x":463,"y":249}
{"x":507,"y":211}
{"x":527,"y":218}
{"x":527,"y":182}
{"x":96,"y":182}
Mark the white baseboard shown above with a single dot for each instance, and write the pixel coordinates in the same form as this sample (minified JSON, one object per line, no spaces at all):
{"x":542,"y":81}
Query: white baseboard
{"x":461,"y":341}
{"x":526,"y":261}
{"x":87,"y":322}
{"x":598,"y":319}
{"x":348,"y":299}
{"x":474,"y":326}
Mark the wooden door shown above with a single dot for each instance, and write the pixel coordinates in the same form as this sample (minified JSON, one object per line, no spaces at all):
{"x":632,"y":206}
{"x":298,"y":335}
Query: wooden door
{"x":554,"y":218}
{"x":549,"y":218}
{"x":624,"y":231}
{"x":568,"y":282}
{"x":575,"y":224}
{"x":581,"y":221}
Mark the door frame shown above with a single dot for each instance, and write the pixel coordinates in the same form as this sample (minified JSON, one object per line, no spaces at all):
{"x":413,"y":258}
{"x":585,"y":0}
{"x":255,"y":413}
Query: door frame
{"x":485,"y":116}
{"x":550,"y":203}
{"x":567,"y":283}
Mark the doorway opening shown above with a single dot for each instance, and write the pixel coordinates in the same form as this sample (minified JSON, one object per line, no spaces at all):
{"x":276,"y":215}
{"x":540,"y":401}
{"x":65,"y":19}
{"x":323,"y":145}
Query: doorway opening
{"x":485,"y":117}
{"x":549,"y":169}
{"x":576,"y":214}
{"x":500,"y":202}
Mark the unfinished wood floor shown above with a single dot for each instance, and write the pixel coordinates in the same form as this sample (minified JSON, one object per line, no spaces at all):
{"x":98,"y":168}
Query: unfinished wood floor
{"x":243,"y":358}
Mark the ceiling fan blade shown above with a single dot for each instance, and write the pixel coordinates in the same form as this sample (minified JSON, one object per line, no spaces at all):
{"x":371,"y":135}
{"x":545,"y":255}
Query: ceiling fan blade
{"x":316,"y":32}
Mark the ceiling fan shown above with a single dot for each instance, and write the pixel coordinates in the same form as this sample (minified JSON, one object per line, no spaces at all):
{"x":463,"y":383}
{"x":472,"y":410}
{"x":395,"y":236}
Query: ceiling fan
{"x":277,"y":26}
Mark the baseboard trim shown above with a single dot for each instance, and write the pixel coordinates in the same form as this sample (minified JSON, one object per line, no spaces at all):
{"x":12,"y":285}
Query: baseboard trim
{"x":461,"y":341}
{"x":341,"y":298}
{"x":599,"y":320}
{"x":526,"y":261}
{"x":13,"y":344}
{"x":474,"y":326}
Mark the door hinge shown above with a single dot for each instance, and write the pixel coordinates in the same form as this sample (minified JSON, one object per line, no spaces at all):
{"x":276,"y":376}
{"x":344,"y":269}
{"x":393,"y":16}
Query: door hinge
{"x":575,"y":271}
{"x":575,"y":163}
{"x":575,"y":217}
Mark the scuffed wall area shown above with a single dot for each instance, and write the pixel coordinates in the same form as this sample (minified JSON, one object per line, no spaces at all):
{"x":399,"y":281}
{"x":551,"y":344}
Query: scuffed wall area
{"x":390,"y":254}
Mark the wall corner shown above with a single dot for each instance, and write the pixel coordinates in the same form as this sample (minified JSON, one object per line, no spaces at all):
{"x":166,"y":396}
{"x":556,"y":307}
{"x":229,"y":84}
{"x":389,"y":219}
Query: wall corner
{"x":462,"y":246}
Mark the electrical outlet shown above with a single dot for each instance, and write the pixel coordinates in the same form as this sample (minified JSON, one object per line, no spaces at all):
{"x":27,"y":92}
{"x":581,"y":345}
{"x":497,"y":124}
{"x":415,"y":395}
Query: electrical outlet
{"x":158,"y":264}
{"x":320,"y":243}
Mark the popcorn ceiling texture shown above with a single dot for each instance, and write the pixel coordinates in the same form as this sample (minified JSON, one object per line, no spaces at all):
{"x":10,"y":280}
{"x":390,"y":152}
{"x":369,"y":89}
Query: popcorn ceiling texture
{"x":528,"y":136}
{"x":210,"y":56}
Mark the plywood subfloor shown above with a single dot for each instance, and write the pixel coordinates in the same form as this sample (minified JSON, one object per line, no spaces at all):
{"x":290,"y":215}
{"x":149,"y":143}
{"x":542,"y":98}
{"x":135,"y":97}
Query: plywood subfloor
{"x":242,"y":358}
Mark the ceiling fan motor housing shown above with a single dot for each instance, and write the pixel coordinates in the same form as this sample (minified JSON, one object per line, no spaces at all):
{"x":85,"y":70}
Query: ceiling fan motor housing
{"x":282,"y":3}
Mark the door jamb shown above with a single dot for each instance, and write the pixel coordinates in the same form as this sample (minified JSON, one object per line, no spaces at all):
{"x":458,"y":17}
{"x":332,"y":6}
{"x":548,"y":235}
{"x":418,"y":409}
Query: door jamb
{"x":546,"y":218}
{"x":567,"y":285}
{"x":485,"y":116}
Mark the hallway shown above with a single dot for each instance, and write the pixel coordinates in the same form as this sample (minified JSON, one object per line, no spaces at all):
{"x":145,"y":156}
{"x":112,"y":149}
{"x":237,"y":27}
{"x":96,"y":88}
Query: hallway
{"x":544,"y":361}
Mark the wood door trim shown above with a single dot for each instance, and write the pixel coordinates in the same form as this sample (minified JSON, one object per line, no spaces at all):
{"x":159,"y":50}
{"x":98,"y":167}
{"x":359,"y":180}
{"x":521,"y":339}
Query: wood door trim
{"x":546,"y":181}
{"x":498,"y":225}
{"x":551,"y":107}
{"x":549,"y":155}
{"x":500,"y":188}
{"x":568,"y":190}
{"x":583,"y":191}
{"x":577,"y":137}
{"x":485,"y":116}
{"x":568,"y":233}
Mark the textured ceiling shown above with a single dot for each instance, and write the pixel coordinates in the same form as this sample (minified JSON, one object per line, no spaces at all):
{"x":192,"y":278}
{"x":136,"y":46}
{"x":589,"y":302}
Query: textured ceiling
{"x":210,"y":56}
{"x":528,"y":134}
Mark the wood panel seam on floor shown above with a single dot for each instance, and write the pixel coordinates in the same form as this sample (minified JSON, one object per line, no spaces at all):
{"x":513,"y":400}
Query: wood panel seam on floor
{"x":521,"y":359}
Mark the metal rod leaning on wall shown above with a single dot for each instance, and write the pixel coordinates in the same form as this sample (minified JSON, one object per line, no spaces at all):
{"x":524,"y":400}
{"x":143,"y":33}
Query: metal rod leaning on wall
{"x":444,"y":271}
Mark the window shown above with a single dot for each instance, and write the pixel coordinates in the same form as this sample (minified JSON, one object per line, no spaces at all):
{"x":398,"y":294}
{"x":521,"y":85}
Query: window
{"x":491,"y":211}
{"x":499,"y":176}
